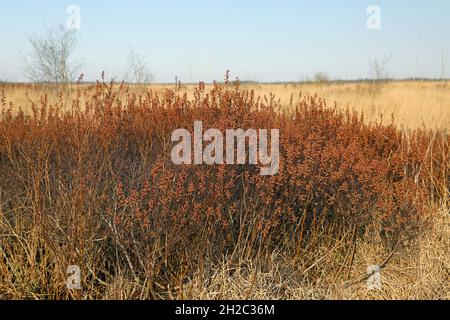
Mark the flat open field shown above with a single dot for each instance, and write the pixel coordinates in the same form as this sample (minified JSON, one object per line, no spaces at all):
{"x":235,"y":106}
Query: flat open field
{"x":413,"y":103}
{"x":86,"y":180}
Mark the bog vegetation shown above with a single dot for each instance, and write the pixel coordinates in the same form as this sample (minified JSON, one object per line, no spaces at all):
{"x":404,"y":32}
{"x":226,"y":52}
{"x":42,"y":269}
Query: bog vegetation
{"x":90,"y":182}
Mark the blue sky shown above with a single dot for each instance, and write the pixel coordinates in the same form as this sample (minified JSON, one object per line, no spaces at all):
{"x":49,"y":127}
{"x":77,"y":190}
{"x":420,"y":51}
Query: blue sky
{"x":261,"y":40}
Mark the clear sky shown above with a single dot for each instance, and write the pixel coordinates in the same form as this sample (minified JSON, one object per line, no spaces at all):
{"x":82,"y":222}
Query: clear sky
{"x":258,"y":40}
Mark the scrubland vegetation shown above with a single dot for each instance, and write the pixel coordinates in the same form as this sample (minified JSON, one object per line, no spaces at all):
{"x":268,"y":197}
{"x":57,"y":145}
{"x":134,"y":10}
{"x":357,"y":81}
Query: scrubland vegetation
{"x":86,"y":179}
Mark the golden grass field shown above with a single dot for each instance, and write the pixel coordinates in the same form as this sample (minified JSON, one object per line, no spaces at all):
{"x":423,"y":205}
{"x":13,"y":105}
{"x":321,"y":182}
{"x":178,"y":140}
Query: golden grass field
{"x":413,"y":104}
{"x":419,"y":269}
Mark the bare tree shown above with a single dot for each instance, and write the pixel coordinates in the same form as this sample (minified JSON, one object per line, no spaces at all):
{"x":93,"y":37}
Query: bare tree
{"x":378,"y":67}
{"x":321,"y":77}
{"x":138,"y":68}
{"x":49,"y":60}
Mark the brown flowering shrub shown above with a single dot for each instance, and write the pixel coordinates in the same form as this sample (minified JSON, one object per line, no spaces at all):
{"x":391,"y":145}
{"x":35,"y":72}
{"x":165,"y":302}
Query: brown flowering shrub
{"x":96,"y":183}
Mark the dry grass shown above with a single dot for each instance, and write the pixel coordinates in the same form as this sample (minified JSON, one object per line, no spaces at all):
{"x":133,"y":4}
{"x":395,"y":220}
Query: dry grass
{"x":418,"y":270}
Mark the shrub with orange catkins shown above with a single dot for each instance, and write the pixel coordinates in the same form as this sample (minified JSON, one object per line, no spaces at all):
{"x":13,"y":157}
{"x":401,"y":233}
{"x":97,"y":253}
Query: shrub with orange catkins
{"x":103,"y":171}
